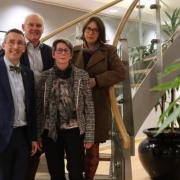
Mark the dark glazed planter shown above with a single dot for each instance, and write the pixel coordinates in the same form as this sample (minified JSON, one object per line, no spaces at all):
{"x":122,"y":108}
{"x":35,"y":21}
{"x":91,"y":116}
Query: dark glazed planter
{"x":160,"y":155}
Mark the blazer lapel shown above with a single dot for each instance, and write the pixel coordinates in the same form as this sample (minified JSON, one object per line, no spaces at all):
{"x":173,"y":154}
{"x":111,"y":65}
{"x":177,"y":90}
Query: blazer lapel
{"x":80,"y":61}
{"x":5,"y":79}
{"x":76,"y":87}
{"x":43,"y":55}
{"x":97,"y":56}
{"x":25,"y":80}
{"x":25,"y":59}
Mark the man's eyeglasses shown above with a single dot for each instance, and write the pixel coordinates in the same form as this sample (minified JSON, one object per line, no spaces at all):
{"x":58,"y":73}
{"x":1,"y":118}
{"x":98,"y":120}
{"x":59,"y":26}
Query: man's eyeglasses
{"x":13,"y":43}
{"x":93,"y":30}
{"x":61,"y":51}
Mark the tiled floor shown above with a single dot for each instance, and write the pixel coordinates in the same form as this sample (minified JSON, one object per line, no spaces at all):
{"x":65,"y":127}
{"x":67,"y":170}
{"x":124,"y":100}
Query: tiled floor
{"x":138,"y":172}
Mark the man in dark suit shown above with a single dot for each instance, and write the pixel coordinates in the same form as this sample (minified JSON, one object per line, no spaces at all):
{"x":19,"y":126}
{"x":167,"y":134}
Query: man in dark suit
{"x":17,"y":114}
{"x":38,"y":57}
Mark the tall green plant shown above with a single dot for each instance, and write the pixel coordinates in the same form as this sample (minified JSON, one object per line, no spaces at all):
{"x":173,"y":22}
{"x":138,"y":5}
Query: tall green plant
{"x":170,"y":29}
{"x":172,"y":113}
{"x":171,"y":25}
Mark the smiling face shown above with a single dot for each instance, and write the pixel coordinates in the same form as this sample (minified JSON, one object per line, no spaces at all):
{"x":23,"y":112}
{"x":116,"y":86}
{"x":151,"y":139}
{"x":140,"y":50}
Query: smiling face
{"x":91,"y":33}
{"x":14,"y":46}
{"x":62,"y":55}
{"x":33,"y":29}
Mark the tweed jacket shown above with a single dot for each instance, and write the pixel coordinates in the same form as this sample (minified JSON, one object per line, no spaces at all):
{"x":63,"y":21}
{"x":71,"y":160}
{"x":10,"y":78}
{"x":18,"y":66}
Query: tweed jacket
{"x":83,"y":102}
{"x":106,"y":67}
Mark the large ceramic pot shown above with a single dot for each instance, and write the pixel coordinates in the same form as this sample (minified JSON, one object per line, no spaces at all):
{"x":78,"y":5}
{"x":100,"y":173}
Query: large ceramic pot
{"x":160,"y":155}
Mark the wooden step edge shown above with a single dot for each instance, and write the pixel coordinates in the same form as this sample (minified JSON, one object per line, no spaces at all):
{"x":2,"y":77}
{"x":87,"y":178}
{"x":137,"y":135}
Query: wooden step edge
{"x":149,"y":58}
{"x":101,"y":177}
{"x":45,"y":176}
{"x":144,"y":71}
{"x":102,"y":157}
{"x":135,"y":85}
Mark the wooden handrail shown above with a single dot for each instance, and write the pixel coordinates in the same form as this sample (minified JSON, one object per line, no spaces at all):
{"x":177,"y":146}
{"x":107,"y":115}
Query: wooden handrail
{"x":123,"y":22}
{"x":75,"y":21}
{"x":115,"y":109}
{"x":118,"y":119}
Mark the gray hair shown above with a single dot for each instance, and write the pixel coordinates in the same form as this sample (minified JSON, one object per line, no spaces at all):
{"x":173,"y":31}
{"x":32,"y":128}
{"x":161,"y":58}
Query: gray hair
{"x":34,"y":14}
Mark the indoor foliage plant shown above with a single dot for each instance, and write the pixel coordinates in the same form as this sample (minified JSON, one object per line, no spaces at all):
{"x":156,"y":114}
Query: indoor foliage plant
{"x":159,"y":153}
{"x":171,"y":24}
{"x":170,"y":29}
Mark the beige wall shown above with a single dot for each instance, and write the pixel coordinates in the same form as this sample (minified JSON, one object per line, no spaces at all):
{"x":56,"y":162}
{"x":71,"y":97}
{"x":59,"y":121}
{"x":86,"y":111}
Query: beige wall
{"x":12,"y":13}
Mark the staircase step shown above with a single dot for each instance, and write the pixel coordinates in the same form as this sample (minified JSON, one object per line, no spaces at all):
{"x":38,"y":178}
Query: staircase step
{"x":102,"y":171}
{"x":42,"y":169}
{"x":149,"y":58}
{"x":102,"y":177}
{"x":144,"y":71}
{"x":135,"y":85}
{"x":104,"y":157}
{"x":45,"y":176}
{"x":142,"y":65}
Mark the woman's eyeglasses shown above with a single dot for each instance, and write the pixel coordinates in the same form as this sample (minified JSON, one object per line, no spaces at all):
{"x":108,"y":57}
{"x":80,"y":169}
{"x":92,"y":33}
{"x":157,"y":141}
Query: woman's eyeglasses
{"x":61,"y":51}
{"x":93,"y":30}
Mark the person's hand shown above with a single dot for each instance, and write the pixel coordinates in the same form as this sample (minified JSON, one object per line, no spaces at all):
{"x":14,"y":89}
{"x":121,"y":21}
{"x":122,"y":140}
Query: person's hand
{"x":88,"y":145}
{"x":40,"y":145}
{"x":92,"y":82}
{"x":34,"y":148}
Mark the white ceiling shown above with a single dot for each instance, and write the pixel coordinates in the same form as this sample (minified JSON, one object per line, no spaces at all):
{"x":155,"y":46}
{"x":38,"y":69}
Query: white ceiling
{"x":117,"y":10}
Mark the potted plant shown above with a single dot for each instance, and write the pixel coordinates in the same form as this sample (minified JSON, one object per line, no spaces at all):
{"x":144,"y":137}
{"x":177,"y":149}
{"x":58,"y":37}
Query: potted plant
{"x":159,"y":153}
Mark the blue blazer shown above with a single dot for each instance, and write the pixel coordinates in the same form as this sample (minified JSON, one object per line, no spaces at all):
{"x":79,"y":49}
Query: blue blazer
{"x":7,"y":110}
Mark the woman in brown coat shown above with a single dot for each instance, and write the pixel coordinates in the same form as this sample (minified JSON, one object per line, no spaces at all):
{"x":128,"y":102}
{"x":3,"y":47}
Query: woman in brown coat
{"x":105,"y":69}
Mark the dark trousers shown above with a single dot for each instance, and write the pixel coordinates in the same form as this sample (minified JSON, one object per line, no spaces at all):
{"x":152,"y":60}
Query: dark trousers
{"x":33,"y":166}
{"x":70,"y":142}
{"x":14,"y":160}
{"x":91,"y":161}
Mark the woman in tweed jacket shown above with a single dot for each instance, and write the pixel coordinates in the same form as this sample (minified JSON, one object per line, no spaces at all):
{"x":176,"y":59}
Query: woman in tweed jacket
{"x":65,"y":114}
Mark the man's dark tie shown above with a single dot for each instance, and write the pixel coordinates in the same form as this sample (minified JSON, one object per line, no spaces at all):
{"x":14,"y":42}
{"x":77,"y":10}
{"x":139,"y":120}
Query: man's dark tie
{"x":15,"y":69}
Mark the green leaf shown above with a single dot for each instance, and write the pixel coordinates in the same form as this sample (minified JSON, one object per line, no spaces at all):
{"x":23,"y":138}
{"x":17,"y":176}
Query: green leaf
{"x":168,"y":110}
{"x":171,"y":26}
{"x":169,"y":120}
{"x":169,"y":85}
{"x":168,"y":15}
{"x":170,"y":69}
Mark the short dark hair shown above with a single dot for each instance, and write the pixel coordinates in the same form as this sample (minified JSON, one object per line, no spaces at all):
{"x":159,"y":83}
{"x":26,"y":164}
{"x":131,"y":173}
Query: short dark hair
{"x":66,"y":42}
{"x":14,"y":30}
{"x":101,"y":28}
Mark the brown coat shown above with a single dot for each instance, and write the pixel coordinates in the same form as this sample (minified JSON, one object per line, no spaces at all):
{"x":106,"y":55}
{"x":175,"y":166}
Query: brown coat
{"x":108,"y":69}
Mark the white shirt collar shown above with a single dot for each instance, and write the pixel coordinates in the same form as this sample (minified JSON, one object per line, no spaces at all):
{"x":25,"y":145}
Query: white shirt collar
{"x":30,"y":43}
{"x":9,"y":63}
